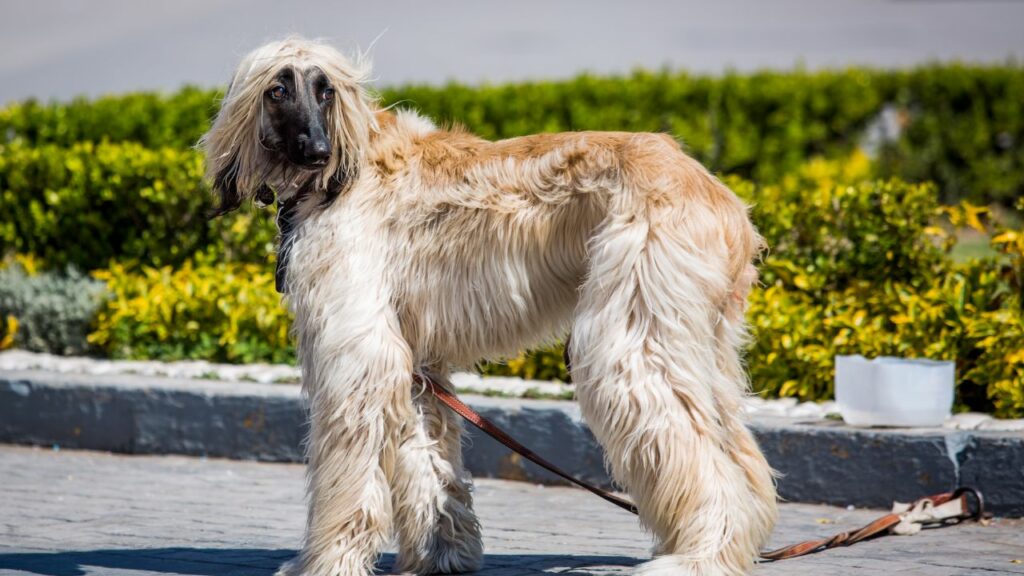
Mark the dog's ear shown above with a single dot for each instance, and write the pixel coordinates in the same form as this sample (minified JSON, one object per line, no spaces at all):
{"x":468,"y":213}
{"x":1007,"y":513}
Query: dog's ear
{"x":225,"y":185}
{"x":286,"y":221}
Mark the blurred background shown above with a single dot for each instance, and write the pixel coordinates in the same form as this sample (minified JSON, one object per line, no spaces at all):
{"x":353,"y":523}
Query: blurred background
{"x":880,"y":144}
{"x":60,"y":49}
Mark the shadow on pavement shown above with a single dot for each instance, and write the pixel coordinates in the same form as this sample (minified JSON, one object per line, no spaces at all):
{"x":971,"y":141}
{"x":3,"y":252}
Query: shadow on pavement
{"x":191,"y":561}
{"x":258,"y":562}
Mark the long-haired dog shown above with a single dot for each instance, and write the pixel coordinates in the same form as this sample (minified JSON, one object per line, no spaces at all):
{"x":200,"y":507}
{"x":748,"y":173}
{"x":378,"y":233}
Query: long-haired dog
{"x":413,"y":249}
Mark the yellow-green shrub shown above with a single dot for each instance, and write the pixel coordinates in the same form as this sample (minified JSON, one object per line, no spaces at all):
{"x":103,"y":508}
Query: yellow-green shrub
{"x":998,"y":361}
{"x":864,"y":268}
{"x":828,"y":225}
{"x":544,"y":364}
{"x":231,"y":313}
{"x":221,"y":312}
{"x":1000,"y":332}
{"x":961,"y":318}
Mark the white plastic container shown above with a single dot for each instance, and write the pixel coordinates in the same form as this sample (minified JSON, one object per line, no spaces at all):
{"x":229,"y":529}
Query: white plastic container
{"x":891,"y":391}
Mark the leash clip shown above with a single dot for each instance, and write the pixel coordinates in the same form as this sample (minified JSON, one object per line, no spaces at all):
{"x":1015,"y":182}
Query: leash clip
{"x":979,"y":503}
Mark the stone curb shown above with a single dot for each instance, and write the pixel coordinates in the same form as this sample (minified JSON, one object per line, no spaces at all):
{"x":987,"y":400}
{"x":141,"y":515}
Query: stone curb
{"x":819,"y":461}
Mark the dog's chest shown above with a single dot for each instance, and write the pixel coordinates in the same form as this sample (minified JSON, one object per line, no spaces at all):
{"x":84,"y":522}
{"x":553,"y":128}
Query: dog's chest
{"x":335,"y":251}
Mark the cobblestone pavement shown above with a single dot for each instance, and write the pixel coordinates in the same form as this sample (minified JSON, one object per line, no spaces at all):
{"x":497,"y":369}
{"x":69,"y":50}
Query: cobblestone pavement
{"x":76,"y":513}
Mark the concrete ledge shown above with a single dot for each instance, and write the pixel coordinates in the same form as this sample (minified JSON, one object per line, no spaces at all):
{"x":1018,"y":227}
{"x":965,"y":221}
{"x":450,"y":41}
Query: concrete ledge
{"x":820,"y":461}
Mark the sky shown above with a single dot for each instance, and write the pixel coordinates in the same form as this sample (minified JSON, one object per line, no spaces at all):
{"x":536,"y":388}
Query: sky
{"x":57,"y":49}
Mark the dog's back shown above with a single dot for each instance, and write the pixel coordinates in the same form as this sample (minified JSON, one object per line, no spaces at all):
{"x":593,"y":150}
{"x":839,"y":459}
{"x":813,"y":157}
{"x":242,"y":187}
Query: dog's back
{"x":491,"y":238}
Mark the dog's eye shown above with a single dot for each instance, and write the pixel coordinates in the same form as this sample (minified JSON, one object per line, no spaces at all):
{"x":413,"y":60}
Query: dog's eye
{"x":327,"y":95}
{"x":277,"y":92}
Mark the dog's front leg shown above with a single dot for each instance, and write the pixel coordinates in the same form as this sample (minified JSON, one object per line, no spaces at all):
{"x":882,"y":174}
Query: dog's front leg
{"x":438,"y":532}
{"x":358,"y":376}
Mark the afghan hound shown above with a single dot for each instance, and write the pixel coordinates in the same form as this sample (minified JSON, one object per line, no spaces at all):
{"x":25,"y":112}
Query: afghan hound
{"x":407,"y":248}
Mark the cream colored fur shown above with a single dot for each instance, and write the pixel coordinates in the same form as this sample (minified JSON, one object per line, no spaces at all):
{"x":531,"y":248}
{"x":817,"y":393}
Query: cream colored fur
{"x":445,"y":249}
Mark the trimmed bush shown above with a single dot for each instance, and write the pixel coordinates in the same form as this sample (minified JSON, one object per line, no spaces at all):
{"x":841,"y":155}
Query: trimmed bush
{"x":859,"y":259}
{"x":968,"y":317}
{"x":758,"y":125}
{"x":219,"y":312}
{"x":151,"y":119}
{"x":828,"y":227}
{"x":93,"y":203}
{"x":48,"y":312}
{"x":963,"y":129}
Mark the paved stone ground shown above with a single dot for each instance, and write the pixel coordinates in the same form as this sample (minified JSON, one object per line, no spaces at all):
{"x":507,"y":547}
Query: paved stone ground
{"x":76,"y":513}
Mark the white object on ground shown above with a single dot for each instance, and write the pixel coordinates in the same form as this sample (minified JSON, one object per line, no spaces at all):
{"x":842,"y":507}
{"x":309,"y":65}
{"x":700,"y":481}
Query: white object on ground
{"x":913,"y":517}
{"x":890,"y":391}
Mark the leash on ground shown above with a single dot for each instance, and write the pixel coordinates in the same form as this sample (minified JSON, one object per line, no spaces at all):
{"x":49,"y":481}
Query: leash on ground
{"x":905,"y":519}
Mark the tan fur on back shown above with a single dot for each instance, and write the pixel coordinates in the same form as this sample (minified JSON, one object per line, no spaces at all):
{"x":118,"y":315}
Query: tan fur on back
{"x":539,"y":197}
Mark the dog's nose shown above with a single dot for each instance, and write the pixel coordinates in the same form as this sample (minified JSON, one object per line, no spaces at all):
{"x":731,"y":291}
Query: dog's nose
{"x":315,"y":150}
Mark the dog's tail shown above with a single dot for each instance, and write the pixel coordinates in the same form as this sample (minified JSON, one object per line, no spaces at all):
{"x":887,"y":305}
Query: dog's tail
{"x":654,"y":351}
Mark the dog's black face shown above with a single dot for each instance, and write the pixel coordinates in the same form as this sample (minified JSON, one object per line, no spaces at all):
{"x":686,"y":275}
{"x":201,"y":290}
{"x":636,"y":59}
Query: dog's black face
{"x":294,"y":121}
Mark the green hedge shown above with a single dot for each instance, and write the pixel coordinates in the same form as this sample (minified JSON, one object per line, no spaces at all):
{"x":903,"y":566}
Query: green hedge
{"x":963,"y":124}
{"x":152,"y":119}
{"x":828,"y":225}
{"x":759,"y":125}
{"x":964,"y":131}
{"x":92,"y":203}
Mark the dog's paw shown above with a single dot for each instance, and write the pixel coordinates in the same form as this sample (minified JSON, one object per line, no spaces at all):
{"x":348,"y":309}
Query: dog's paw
{"x":444,"y":557}
{"x":449,"y":560}
{"x":458,"y":557}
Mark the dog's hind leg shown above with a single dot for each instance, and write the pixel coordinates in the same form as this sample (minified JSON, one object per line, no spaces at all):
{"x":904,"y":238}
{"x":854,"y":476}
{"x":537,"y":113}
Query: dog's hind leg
{"x":731,"y":337}
{"x":438,"y":532}
{"x":357,"y":373}
{"x":646,"y":362}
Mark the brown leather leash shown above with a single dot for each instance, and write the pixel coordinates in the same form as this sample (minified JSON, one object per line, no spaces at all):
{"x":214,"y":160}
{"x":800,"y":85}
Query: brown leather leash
{"x":884,"y":525}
